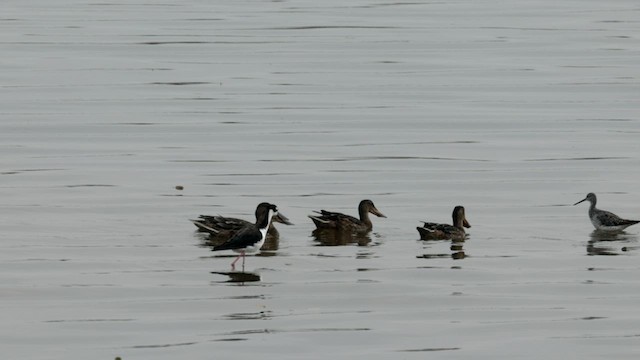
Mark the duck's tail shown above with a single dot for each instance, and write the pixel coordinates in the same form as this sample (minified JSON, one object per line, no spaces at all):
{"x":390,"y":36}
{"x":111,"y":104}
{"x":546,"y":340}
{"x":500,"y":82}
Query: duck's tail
{"x":319,"y":221}
{"x":203,"y":227}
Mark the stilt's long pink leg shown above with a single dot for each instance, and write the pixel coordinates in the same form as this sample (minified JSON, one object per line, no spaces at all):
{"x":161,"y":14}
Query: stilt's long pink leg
{"x":233,"y":264}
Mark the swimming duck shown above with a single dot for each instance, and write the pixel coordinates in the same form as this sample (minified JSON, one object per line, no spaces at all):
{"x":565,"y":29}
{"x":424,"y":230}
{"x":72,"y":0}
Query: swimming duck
{"x":434,"y":231}
{"x":342,"y":222}
{"x":222,"y":227}
{"x":251,"y":237}
{"x":605,"y":220}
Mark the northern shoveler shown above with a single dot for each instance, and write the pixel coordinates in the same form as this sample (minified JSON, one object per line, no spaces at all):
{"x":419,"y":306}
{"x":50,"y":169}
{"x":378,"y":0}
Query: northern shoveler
{"x":223,"y":228}
{"x":342,"y":222}
{"x":251,"y":237}
{"x":605,"y":220}
{"x":434,"y":231}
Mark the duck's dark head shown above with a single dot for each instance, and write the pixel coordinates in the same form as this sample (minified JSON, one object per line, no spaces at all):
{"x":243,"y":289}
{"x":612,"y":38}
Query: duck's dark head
{"x":366,"y":206}
{"x":262,"y":214}
{"x":459,"y":218}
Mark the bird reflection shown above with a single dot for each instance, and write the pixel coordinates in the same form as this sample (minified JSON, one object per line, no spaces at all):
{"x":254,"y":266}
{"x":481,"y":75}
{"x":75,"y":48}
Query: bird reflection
{"x":332,"y":237}
{"x":239,"y":276}
{"x":456,"y":250}
{"x":607,"y":242}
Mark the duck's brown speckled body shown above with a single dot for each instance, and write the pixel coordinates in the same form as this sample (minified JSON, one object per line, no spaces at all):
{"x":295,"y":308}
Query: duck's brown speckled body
{"x":435,"y":231}
{"x":338,"y":221}
{"x":222,"y":227}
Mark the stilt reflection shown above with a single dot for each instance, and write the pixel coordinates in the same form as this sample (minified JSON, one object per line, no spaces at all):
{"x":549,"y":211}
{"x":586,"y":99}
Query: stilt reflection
{"x":611,"y":242}
{"x":239,"y":276}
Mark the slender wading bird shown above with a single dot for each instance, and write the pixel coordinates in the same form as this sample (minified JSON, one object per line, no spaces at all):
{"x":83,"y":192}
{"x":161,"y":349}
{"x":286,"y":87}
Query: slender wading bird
{"x":605,"y":220}
{"x":251,"y":237}
{"x":341,"y":222}
{"x":434,"y":231}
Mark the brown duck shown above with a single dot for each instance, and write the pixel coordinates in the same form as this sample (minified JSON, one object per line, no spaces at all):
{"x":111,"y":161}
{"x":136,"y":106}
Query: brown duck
{"x":434,"y":231}
{"x":222,"y":227}
{"x":341,"y":222}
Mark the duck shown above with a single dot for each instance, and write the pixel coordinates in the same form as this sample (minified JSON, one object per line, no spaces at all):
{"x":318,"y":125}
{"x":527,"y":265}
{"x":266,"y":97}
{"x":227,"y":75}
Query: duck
{"x":434,"y":231}
{"x":605,"y":220}
{"x":222,"y":227}
{"x":251,"y":237}
{"x":341,"y":222}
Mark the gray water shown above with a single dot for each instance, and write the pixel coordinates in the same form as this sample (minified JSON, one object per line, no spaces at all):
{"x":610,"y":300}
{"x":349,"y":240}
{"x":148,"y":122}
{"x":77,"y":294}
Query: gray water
{"x":513,"y":109}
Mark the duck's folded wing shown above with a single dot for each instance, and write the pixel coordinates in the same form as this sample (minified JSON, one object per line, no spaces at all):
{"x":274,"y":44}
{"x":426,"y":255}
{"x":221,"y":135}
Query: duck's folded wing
{"x":429,"y":225}
{"x":445,"y":228}
{"x":204,"y":226}
{"x":339,"y":216}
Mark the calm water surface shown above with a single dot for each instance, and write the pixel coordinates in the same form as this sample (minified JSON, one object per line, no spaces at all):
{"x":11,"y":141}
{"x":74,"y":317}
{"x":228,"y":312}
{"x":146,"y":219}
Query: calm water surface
{"x":514,"y":110}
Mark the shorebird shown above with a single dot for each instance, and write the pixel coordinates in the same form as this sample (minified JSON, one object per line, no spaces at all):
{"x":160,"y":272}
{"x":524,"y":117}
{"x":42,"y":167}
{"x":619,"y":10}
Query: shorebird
{"x":342,"y":222}
{"x":251,"y":237}
{"x":434,"y":231}
{"x":605,"y":220}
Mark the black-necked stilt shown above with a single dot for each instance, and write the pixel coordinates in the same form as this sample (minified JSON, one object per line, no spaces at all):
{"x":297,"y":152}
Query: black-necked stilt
{"x":339,"y":221}
{"x":605,"y":220}
{"x":434,"y":231}
{"x":251,"y":237}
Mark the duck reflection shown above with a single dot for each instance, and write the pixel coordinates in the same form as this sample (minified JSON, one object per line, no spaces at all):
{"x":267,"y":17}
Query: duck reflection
{"x":608,"y":242}
{"x":239,"y":276}
{"x":332,"y":237}
{"x":456,"y":250}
